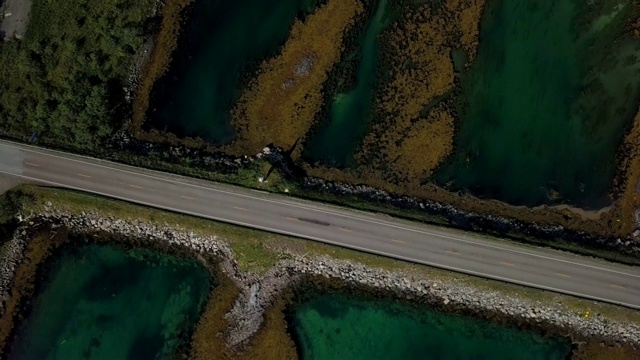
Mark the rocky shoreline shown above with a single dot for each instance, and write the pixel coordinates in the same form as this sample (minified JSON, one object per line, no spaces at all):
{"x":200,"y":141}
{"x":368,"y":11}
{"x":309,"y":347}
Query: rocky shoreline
{"x":257,"y":293}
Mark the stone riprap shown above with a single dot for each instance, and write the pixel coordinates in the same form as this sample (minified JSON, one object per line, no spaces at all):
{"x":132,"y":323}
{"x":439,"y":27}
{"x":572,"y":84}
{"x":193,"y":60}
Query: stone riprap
{"x":257,"y":293}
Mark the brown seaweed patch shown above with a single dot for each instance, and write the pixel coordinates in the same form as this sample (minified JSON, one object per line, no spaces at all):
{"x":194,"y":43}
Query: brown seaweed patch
{"x":600,"y":351}
{"x":270,"y":342}
{"x":207,"y":340}
{"x":405,"y":143}
{"x":38,"y":249}
{"x":426,"y":143}
{"x":628,"y":181}
{"x":280,"y":104}
{"x":467,"y":17}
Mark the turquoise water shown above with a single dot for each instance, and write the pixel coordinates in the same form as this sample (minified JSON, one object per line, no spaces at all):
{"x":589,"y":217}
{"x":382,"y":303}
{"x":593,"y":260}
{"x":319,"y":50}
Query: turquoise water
{"x":335,"y":327}
{"x":545,"y":105}
{"x":101,"y":302}
{"x":336,"y":141}
{"x":219,"y":42}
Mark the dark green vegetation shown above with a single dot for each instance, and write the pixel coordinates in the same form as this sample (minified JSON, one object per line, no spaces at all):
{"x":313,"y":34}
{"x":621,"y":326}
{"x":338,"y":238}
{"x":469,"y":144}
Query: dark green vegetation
{"x":65,"y":78}
{"x":333,"y":326}
{"x":101,"y":302}
{"x":221,"y":44}
{"x":546,"y":103}
{"x":10,"y":204}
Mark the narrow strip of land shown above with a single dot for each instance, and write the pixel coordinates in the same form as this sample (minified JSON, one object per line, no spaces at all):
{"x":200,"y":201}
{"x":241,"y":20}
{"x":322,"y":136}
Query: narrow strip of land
{"x":378,"y":234}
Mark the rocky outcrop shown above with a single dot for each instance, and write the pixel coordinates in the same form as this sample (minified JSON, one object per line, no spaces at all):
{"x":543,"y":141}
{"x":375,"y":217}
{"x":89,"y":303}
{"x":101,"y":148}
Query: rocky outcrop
{"x":257,"y":293}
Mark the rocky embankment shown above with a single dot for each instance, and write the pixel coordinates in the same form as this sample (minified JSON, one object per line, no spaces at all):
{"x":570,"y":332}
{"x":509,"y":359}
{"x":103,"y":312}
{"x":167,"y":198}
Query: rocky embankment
{"x":259,"y":292}
{"x":226,"y":164}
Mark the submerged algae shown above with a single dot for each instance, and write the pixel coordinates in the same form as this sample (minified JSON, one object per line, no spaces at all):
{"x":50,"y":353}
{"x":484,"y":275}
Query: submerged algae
{"x":333,"y":326}
{"x":546,"y":103}
{"x":103,"y":302}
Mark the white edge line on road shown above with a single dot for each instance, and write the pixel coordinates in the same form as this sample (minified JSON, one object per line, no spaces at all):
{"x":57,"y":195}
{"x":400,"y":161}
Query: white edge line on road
{"x":317,"y":210}
{"x":353,"y":247}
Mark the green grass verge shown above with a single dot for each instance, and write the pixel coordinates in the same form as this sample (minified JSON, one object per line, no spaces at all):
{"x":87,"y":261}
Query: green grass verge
{"x":257,"y":251}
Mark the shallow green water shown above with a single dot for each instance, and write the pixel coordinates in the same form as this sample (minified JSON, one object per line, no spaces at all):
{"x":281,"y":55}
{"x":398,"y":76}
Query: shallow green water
{"x":547,"y":101}
{"x":101,"y":302}
{"x":335,"y":327}
{"x":220,"y":40}
{"x":336,"y":141}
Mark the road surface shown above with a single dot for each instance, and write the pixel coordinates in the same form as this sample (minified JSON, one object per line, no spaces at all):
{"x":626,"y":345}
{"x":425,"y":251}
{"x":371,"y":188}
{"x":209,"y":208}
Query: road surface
{"x":379,"y":234}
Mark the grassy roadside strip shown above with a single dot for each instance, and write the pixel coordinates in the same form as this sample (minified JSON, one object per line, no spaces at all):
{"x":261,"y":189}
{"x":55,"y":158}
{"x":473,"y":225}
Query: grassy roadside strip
{"x":257,"y":251}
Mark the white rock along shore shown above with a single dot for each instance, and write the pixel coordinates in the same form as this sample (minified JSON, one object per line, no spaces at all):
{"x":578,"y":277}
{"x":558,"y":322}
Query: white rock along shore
{"x":259,"y":292}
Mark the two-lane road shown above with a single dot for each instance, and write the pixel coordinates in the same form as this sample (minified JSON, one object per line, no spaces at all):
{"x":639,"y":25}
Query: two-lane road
{"x":379,"y":234}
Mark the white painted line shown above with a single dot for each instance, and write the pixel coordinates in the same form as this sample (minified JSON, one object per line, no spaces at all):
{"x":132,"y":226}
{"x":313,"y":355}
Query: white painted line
{"x":563,"y":275}
{"x":353,"y":247}
{"x":330,"y":212}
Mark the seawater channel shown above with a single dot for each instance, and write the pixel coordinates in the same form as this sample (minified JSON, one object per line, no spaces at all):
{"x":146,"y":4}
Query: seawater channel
{"x":546,"y":102}
{"x":335,"y":326}
{"x":336,"y":142}
{"x":103,"y":302}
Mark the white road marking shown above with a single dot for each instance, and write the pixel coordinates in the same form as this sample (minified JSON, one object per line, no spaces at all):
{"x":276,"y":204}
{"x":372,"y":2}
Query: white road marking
{"x":317,"y":210}
{"x":353,"y":247}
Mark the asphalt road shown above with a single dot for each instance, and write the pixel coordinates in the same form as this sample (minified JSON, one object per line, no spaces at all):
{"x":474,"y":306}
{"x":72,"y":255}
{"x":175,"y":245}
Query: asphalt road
{"x":379,"y":234}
